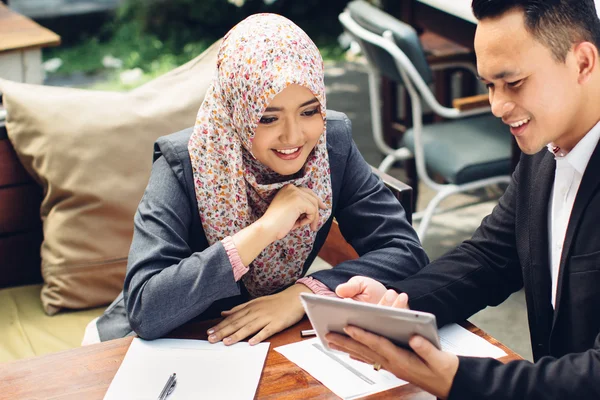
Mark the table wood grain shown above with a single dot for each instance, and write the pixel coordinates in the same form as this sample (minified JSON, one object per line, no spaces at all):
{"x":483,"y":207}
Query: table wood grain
{"x":86,"y":372}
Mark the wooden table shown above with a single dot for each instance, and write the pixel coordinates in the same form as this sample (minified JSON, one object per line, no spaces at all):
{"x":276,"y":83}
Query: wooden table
{"x":86,"y":372}
{"x":21,"y":41}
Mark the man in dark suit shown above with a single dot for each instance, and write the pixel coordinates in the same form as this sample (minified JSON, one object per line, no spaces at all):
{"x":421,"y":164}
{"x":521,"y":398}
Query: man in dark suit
{"x":539,"y":59}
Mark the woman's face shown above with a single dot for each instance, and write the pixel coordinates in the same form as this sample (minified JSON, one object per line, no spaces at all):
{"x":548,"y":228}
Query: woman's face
{"x":288,"y":130}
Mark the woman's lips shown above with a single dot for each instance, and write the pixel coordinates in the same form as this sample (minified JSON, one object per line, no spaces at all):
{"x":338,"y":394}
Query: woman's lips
{"x":288,"y":156}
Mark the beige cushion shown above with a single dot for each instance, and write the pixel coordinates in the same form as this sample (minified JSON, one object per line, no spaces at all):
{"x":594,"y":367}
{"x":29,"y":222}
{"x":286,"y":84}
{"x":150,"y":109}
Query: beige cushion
{"x":92,"y":153}
{"x":26,"y":331}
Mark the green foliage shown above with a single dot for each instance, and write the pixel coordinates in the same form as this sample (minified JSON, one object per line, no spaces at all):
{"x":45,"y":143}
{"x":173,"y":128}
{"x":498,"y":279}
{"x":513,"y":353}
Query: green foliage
{"x":187,"y":20}
{"x":158,"y":35}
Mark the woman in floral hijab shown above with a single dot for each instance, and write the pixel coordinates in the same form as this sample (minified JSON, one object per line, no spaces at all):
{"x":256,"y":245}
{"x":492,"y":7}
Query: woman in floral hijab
{"x":236,"y":211}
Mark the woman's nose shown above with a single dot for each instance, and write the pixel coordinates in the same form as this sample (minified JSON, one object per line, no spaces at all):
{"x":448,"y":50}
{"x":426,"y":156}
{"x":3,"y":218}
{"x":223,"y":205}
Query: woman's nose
{"x":292,"y":132}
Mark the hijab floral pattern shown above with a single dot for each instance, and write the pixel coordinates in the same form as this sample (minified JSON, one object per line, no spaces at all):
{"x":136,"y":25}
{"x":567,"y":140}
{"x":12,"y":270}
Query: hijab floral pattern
{"x":258,"y":58}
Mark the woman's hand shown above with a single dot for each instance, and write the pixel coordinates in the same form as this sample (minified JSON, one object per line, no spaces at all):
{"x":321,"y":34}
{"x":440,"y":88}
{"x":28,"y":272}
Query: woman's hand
{"x":266,"y":315}
{"x":292,"y":208}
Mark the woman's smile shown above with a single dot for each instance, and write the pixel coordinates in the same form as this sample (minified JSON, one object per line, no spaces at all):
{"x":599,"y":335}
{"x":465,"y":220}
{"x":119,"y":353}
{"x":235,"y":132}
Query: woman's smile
{"x":290,"y":153}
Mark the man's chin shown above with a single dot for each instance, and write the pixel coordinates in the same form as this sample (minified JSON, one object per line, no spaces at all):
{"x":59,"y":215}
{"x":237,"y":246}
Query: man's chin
{"x":529,"y":148}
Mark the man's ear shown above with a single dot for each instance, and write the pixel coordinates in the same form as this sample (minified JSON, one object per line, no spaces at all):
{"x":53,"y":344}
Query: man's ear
{"x":586,"y":57}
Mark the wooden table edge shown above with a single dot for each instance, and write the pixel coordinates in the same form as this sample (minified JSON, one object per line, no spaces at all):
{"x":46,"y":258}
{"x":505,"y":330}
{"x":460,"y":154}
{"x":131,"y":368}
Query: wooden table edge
{"x":87,"y":371}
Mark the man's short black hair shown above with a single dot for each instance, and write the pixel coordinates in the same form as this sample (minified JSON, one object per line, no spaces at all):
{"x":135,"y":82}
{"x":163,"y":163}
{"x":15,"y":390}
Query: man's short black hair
{"x":558,"y":24}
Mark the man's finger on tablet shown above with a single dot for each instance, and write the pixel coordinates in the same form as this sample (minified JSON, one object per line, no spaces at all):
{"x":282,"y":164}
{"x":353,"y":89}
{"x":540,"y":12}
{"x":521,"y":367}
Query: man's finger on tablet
{"x":389,"y":298}
{"x":401,"y":301}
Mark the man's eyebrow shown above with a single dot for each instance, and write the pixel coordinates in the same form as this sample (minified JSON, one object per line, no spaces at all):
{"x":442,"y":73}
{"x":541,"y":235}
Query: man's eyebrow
{"x":306,"y":103}
{"x":500,"y":75}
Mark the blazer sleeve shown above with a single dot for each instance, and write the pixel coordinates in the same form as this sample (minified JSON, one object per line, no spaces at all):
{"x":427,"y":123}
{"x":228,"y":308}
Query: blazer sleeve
{"x":373,"y":222}
{"x":482,"y":271}
{"x":573,"y":376}
{"x":166,"y":283}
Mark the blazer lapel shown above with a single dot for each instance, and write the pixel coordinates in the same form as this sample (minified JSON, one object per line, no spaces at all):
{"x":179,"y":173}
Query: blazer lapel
{"x":589,"y":183}
{"x":539,"y":269}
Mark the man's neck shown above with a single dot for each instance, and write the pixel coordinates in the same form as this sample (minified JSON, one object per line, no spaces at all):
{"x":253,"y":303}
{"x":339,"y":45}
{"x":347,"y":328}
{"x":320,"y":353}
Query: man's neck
{"x":584,"y":124}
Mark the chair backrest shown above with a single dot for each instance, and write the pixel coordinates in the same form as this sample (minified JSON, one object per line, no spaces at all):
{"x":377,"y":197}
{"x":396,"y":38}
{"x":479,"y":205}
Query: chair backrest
{"x":336,"y":250}
{"x":405,"y":37}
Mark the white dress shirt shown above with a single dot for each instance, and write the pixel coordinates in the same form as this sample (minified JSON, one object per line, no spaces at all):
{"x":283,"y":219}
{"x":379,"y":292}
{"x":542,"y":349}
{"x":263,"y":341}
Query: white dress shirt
{"x":567,"y":178}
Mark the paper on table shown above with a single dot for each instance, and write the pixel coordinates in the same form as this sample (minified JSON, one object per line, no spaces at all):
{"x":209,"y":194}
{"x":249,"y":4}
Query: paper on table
{"x":351,"y":379}
{"x":345,"y":377}
{"x":456,"y":339}
{"x":204,"y":370}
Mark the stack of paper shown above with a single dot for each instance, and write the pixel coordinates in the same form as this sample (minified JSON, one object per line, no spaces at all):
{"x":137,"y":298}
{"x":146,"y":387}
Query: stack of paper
{"x":351,"y":379}
{"x":204,"y":370}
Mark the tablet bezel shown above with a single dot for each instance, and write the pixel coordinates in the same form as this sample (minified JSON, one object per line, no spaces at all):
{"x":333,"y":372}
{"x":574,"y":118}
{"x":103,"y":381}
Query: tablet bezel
{"x":328,"y":314}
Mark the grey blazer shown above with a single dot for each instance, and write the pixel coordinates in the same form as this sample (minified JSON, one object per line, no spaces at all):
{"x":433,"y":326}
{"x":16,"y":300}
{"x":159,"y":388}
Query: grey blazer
{"x":174,"y":276}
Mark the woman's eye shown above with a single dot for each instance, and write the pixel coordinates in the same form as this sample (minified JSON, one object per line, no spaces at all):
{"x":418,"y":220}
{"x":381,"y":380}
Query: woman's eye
{"x":267,"y":120}
{"x":310,"y":113}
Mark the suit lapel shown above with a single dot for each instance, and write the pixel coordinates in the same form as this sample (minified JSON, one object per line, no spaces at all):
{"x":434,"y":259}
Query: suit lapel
{"x":589,"y":184}
{"x":539,"y":269}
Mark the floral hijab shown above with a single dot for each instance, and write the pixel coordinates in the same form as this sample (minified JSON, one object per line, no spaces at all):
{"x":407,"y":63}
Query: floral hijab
{"x":258,"y":58}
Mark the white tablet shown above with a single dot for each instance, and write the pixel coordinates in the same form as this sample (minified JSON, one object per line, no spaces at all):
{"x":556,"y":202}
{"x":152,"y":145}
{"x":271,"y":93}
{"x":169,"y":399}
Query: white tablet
{"x":329,"y":314}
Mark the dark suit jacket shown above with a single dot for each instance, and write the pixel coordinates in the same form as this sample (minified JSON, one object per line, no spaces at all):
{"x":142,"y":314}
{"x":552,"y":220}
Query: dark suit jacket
{"x":508,"y":251}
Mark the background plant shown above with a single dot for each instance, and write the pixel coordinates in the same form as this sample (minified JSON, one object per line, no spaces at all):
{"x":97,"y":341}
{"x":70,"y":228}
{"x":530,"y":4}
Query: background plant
{"x":158,"y":35}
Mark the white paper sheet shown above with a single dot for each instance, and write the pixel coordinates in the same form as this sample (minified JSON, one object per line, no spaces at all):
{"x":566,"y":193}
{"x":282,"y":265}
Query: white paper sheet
{"x":456,"y":339}
{"x":204,"y":370}
{"x":345,"y":377}
{"x":351,"y":379}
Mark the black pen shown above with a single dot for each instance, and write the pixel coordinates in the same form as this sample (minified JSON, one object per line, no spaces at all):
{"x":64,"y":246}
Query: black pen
{"x":169,"y":387}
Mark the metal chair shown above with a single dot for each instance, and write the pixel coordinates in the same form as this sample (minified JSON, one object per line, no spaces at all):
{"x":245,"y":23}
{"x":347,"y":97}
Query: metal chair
{"x":471,"y":151}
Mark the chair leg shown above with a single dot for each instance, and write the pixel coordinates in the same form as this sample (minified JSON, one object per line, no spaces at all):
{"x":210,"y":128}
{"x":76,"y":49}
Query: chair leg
{"x":430,"y":210}
{"x":390,"y":103}
{"x":400,"y":154}
{"x":387,"y":162}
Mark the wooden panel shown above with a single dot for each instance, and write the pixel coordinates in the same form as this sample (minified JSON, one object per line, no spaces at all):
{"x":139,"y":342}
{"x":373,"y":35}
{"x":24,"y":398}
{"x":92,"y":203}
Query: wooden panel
{"x":336,"y":250}
{"x":20,"y":259}
{"x":11,"y":170}
{"x":22,"y":65}
{"x":19,"y":32}
{"x":86,"y":372}
{"x":440,"y":49}
{"x":32,"y":66}
{"x":471,"y":102}
{"x":20,"y":208}
{"x":11,"y":66}
{"x":20,"y":224}
{"x":456,"y":29}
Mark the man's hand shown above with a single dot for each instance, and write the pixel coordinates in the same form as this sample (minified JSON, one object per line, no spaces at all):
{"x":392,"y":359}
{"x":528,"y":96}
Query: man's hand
{"x":393,"y":299}
{"x":429,"y":368}
{"x":266,"y":315}
{"x":361,"y":288}
{"x":368,"y":290}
